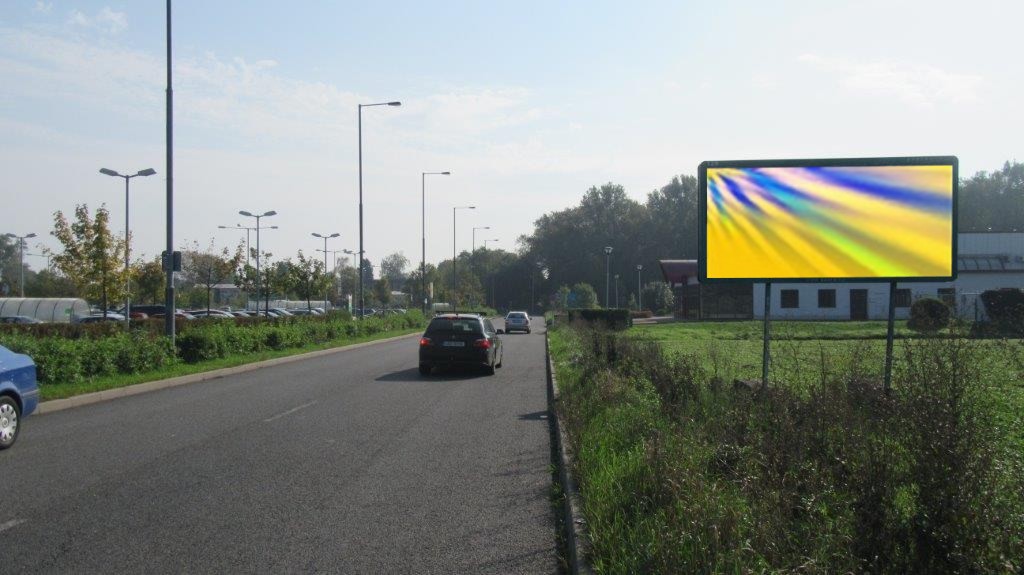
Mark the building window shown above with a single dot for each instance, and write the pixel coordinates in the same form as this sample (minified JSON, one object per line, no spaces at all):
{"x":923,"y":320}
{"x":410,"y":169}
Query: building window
{"x":826,"y":298}
{"x":790,"y":298}
{"x":948,"y":296}
{"x":903,"y":298}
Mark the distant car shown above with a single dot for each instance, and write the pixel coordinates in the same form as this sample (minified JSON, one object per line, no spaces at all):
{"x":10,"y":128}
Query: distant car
{"x":148,"y":309}
{"x":20,"y":319}
{"x":213,"y":313}
{"x":460,"y":340}
{"x":179,"y":314}
{"x":517,"y":321}
{"x":110,"y":317}
{"x":19,"y":393}
{"x":242,"y":313}
{"x":281,"y":312}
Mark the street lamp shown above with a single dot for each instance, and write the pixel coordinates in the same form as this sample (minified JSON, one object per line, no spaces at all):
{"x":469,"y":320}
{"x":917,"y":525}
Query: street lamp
{"x":453,"y":250}
{"x":361,"y":250}
{"x":258,"y":278}
{"x":423,"y":228}
{"x":325,"y":238}
{"x":485,"y":242}
{"x":616,"y":290}
{"x":247,"y":230}
{"x":47,"y":256}
{"x":639,"y":294}
{"x":21,"y":257}
{"x":474,"y":236}
{"x":127,"y":238}
{"x":607,"y":275}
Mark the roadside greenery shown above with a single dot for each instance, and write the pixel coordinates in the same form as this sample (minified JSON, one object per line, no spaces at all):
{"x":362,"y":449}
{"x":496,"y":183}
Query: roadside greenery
{"x":683,"y":472}
{"x":77,"y":357}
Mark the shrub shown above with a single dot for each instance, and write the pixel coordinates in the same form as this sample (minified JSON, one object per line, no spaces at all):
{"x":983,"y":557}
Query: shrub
{"x":1005,"y":309}
{"x":928,"y":315}
{"x":616,"y":319}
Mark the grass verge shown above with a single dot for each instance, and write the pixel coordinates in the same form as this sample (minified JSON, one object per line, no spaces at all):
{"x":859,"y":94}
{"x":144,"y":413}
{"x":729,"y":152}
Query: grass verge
{"x":65,"y":390}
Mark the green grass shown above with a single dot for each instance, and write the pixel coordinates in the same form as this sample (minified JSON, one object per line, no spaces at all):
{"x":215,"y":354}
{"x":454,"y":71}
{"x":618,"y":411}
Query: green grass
{"x":64,"y":390}
{"x":680,"y":474}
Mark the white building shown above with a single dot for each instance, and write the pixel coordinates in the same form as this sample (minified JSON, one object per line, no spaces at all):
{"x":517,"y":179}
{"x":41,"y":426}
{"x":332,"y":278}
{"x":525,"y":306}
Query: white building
{"x":985,"y":261}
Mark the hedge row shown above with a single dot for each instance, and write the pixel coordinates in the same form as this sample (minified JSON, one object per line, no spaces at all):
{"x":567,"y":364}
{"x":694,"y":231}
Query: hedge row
{"x":101,"y":352}
{"x":616,"y":319}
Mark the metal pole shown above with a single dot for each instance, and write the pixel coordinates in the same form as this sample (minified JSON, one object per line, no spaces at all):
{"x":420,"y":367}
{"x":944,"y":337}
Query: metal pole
{"x":21,"y":265}
{"x":639,"y":292}
{"x":328,"y":290}
{"x":423,"y":238}
{"x":889,"y":336}
{"x":616,"y":290}
{"x":766,"y":355}
{"x":453,"y":259}
{"x":247,"y":246}
{"x":361,"y":304}
{"x":607,"y":278}
{"x":169,"y":296}
{"x":127,"y":247}
{"x":259,"y":278}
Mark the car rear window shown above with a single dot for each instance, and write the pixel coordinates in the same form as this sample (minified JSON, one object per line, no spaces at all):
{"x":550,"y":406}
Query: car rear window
{"x":448,"y":325}
{"x":517,"y":315}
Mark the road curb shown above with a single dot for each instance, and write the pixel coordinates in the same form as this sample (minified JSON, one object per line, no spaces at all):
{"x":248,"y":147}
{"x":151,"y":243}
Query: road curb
{"x":577,"y":543}
{"x":54,"y":405}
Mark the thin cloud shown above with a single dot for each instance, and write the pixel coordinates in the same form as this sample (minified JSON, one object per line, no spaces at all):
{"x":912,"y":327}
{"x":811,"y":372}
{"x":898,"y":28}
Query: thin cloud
{"x":44,"y":7}
{"x":106,"y":20}
{"x":915,"y":84}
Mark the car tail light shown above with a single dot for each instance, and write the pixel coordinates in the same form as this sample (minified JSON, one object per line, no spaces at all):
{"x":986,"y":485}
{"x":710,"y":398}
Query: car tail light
{"x":425,"y":342}
{"x":482,"y":343}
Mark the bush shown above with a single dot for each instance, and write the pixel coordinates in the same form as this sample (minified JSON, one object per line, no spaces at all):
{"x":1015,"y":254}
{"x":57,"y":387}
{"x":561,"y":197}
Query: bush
{"x":928,"y":315}
{"x":645,"y":314}
{"x":616,"y":319}
{"x":1005,"y":309}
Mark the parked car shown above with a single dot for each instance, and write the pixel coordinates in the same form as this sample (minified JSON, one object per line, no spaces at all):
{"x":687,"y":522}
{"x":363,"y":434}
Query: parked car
{"x":281,"y":312}
{"x":19,"y":393}
{"x":460,"y":340}
{"x":213,"y":313}
{"x":243,"y":313}
{"x":179,"y":314}
{"x":148,"y":309}
{"x":517,"y":321}
{"x":20,"y":319}
{"x":100,"y":318}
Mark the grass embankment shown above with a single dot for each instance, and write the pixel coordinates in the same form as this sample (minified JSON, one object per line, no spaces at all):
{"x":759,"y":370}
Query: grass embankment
{"x":72,"y":361}
{"x":177,"y":369}
{"x":821,"y":472}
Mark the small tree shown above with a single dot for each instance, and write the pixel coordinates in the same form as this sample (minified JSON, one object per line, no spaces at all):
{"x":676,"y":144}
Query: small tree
{"x":382,"y":291}
{"x":208,"y":268}
{"x":928,"y":315}
{"x":308,"y":278}
{"x":149,"y":281}
{"x":92,"y":257}
{"x":582,"y":296}
{"x":659,"y":297}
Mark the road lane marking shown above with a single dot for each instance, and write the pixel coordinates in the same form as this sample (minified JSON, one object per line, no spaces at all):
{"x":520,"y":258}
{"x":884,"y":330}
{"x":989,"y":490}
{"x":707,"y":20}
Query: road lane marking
{"x":11,"y":523}
{"x":280,"y":415}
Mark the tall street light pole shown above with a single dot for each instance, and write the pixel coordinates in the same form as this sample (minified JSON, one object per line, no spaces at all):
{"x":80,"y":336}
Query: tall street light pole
{"x":325,"y":238}
{"x":607,"y":275}
{"x":247,"y":230}
{"x":169,"y":293}
{"x":485,"y":242}
{"x":472,"y":254}
{"x":127,"y":237}
{"x":423,"y":260}
{"x":362,"y":252}
{"x":616,"y":290}
{"x":259,"y":279}
{"x":21,"y":257}
{"x":639,"y":294}
{"x":454,"y":256}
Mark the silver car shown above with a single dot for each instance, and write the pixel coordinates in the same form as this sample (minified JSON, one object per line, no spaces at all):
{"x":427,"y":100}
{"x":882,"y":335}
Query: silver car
{"x":517,"y":321}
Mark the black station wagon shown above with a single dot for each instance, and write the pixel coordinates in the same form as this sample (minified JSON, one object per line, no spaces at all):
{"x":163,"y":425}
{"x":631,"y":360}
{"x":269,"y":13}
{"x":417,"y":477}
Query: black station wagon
{"x":460,"y":340}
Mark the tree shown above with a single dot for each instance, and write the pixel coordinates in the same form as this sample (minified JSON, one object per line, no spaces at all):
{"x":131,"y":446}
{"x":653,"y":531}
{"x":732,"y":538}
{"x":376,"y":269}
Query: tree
{"x":582,"y":296}
{"x":206,"y":268}
{"x":562,"y":298}
{"x":307,"y":278}
{"x":382,"y":291}
{"x":392,"y":268}
{"x":659,"y":297}
{"x":92,"y":257}
{"x":149,"y":280}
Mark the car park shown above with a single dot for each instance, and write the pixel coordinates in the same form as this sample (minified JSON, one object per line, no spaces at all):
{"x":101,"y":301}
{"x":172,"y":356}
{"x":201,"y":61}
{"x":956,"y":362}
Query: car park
{"x":460,"y":340}
{"x":19,"y":393}
{"x":517,"y":321}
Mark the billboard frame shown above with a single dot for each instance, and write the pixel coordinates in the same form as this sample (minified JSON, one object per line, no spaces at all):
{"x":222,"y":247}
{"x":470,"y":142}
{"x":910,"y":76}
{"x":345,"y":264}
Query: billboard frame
{"x":702,"y":210}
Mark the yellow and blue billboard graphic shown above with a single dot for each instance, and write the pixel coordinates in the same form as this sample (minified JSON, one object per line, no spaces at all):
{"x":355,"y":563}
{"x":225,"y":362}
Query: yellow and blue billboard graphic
{"x":830,"y":221}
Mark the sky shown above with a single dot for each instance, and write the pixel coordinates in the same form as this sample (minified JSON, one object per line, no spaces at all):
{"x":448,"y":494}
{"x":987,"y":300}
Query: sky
{"x":528,"y":104}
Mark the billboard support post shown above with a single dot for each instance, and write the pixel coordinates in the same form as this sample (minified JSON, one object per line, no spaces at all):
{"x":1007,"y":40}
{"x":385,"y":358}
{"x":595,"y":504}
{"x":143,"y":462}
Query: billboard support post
{"x":766,"y":355}
{"x":889,"y":336}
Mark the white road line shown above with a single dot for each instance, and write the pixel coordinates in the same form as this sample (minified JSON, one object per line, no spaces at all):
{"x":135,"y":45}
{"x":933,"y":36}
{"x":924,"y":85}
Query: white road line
{"x":11,"y":523}
{"x":280,"y":415}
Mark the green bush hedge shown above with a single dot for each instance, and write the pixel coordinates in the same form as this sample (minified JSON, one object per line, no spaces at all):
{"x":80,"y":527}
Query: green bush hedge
{"x":928,"y":315}
{"x":1005,"y":309}
{"x":69,"y":354}
{"x":616,"y":319}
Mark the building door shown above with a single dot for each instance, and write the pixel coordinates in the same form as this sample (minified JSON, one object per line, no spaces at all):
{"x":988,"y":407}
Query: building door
{"x":859,"y":304}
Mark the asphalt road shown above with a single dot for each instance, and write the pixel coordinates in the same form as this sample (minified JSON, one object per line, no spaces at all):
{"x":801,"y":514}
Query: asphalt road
{"x":349,"y":463}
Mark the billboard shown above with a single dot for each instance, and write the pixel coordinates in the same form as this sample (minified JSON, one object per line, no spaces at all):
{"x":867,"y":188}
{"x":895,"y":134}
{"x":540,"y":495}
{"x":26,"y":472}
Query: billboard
{"x":861,"y":219}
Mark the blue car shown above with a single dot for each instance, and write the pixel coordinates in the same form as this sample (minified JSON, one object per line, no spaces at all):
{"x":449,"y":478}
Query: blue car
{"x":19,"y":393}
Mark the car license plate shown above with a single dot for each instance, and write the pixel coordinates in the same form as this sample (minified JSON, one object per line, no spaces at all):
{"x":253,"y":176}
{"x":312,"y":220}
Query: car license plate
{"x":454,"y":344}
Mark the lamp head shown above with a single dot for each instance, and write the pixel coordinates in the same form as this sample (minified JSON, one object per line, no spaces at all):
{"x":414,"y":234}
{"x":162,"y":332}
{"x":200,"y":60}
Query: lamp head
{"x":446,"y":173}
{"x":394,"y":103}
{"x":32,"y":235}
{"x":108,"y":172}
{"x":146,"y":172}
{"x":245,"y":213}
{"x":334,"y":235}
{"x":270,"y":213}
{"x":316,"y":235}
{"x":608,"y":250}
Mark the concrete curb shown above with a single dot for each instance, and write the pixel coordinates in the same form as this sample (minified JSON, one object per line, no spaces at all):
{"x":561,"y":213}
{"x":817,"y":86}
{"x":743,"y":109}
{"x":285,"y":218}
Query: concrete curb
{"x":577,"y":543}
{"x":108,"y":394}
